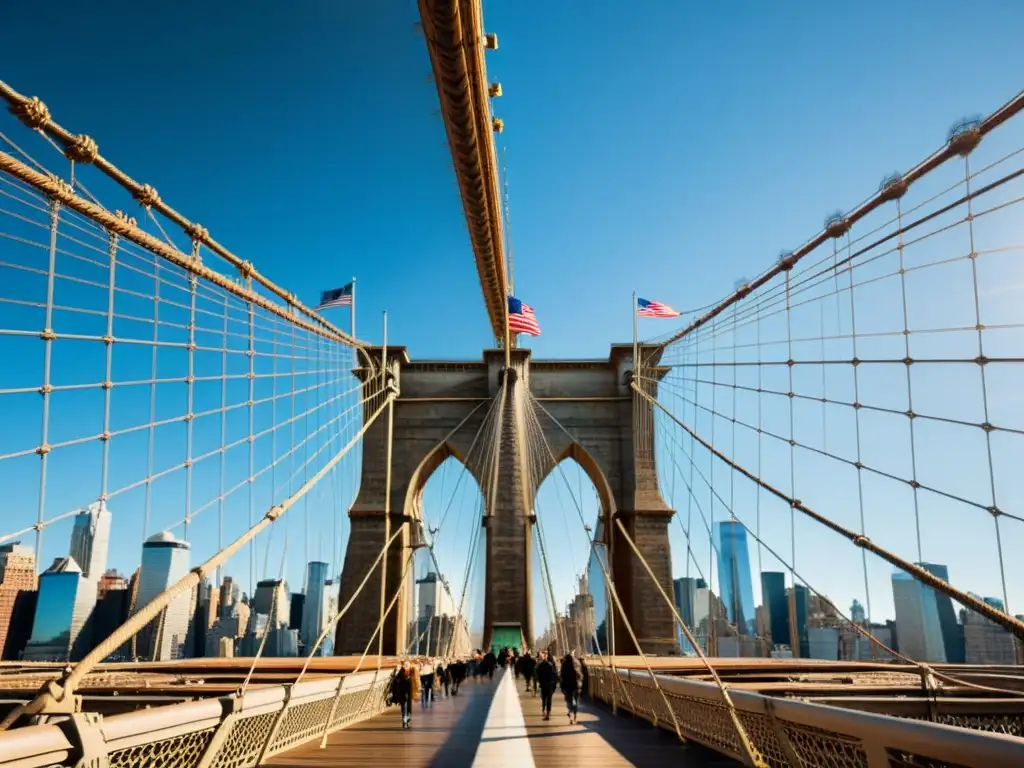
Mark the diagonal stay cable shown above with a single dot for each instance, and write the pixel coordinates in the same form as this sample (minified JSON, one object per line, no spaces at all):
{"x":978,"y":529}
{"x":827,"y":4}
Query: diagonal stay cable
{"x":56,"y":693}
{"x":1013,"y":625}
{"x":744,"y":738}
{"x":610,"y":583}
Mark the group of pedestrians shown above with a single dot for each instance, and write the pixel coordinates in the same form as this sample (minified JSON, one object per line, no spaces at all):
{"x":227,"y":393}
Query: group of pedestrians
{"x":425,"y":680}
{"x":543,"y":677}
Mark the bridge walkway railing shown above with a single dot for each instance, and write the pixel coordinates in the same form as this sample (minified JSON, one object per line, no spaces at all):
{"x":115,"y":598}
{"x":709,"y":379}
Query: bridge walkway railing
{"x":224,"y":732}
{"x":789,"y":732}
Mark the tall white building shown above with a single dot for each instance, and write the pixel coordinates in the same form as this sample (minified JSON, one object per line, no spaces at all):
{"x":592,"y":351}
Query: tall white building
{"x":316,"y":607}
{"x":165,"y":560}
{"x":433,"y":599}
{"x":90,"y":540}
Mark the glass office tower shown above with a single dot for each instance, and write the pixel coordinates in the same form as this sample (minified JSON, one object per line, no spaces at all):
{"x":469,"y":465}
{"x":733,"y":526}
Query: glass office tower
{"x":734,"y":579}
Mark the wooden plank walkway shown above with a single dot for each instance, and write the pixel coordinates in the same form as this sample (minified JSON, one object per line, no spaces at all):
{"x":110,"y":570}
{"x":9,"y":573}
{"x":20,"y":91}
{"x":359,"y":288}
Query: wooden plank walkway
{"x":601,"y":739}
{"x":492,"y":725}
{"x":447,"y":734}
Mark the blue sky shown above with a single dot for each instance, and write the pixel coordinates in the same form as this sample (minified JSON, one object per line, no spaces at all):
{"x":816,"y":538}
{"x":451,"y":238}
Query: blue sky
{"x":670,"y":150}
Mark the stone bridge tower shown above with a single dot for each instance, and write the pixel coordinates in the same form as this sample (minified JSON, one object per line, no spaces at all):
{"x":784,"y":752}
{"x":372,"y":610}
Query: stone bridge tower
{"x":594,"y":418}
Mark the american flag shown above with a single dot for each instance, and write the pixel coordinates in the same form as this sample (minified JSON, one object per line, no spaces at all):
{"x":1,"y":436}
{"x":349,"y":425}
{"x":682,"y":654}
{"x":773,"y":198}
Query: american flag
{"x":645,"y":308}
{"x":521,"y":318}
{"x":336,"y":297}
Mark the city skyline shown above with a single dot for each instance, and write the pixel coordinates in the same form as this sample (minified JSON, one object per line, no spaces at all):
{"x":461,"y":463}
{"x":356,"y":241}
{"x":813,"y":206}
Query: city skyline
{"x":623,"y":198}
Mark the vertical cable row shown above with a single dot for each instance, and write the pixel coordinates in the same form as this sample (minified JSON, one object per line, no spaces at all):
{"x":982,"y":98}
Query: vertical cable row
{"x":856,"y":419}
{"x":190,"y":387}
{"x":792,"y":439}
{"x":712,"y":625}
{"x":46,"y":390}
{"x":108,"y":367}
{"x":222,"y":470}
{"x":153,"y":377}
{"x":251,"y":439}
{"x":981,"y":362}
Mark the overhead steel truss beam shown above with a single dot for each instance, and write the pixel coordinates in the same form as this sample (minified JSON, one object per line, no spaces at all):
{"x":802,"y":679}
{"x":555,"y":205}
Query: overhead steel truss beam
{"x":455,"y":39}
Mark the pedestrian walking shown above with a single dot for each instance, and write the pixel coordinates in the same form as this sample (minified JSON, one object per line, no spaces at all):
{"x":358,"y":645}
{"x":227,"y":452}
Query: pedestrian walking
{"x":546,"y":677}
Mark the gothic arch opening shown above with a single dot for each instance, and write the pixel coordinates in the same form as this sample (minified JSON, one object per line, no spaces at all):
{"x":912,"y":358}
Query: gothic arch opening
{"x":569,"y":504}
{"x":445,"y":610}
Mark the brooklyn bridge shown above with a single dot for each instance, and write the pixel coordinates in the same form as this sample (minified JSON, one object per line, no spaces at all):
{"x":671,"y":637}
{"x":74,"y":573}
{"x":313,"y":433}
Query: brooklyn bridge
{"x":769,"y":442}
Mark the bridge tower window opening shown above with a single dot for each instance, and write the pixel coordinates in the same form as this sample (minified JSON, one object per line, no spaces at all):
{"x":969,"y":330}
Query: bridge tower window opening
{"x":445,"y":613}
{"x":565,"y":597}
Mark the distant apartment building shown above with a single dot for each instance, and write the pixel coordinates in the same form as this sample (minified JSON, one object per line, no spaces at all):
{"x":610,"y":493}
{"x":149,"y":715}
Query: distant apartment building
{"x":985,"y":642}
{"x":18,"y":585}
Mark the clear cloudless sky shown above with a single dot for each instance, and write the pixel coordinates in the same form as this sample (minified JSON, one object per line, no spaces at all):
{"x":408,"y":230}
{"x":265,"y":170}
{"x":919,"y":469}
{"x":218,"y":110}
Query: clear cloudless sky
{"x":669,"y":148}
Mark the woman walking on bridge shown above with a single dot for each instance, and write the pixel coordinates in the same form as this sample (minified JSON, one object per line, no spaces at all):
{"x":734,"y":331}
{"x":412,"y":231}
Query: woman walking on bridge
{"x":571,"y":679}
{"x":402,"y":693}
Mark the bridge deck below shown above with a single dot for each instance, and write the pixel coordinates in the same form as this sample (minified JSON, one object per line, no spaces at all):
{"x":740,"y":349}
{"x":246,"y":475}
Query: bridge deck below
{"x":498,"y":724}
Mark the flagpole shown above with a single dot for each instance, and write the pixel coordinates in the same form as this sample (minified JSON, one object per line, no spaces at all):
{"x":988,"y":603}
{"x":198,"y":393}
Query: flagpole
{"x":636,"y":362}
{"x":508,"y":339}
{"x":353,"y":309}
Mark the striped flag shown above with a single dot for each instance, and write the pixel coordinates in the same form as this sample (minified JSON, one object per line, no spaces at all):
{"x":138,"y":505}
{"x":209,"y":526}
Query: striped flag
{"x":521,"y":318}
{"x":645,"y":308}
{"x":336,"y":297}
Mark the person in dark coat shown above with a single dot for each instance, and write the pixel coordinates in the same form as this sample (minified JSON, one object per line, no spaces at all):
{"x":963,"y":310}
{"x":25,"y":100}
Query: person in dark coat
{"x":490,"y":662}
{"x":458,"y":672}
{"x":528,"y":665}
{"x":570,"y":680}
{"x":401,"y":692}
{"x":546,"y":677}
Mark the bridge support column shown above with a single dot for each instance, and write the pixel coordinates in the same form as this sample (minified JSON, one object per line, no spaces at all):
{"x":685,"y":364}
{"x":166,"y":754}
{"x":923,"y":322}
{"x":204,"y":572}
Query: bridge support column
{"x":369,"y":532}
{"x":509,"y":522}
{"x":645,"y":515}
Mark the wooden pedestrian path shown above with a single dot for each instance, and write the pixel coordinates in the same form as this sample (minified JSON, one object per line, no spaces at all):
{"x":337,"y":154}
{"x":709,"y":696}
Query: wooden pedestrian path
{"x":496,"y":724}
{"x":603,"y":740}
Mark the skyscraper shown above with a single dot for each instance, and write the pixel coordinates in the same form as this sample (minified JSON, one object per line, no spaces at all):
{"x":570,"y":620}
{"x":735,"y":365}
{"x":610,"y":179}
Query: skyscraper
{"x":917,"y":619}
{"x":53,"y":630}
{"x":798,"y":600}
{"x":773,"y":597}
{"x":314,"y":609}
{"x":433,"y":600}
{"x":165,"y":560}
{"x":734,"y":579}
{"x":857,"y":613}
{"x":685,"y":592}
{"x":90,"y":538}
{"x":271,"y":599}
{"x":985,"y":641}
{"x":952,"y":631}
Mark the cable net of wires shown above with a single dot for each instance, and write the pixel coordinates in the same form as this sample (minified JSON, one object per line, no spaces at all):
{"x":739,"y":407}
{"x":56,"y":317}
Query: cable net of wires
{"x":169,"y":389}
{"x":869,"y":384}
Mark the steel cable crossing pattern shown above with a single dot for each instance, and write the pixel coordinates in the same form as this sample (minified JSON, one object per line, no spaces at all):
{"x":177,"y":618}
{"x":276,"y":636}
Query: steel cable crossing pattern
{"x":60,"y":693}
{"x":455,"y":40}
{"x":965,"y":213}
{"x":83,"y":233}
{"x":83,"y":149}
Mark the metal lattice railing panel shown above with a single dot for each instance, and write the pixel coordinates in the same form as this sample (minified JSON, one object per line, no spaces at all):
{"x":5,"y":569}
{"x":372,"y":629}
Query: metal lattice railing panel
{"x":243,"y":744}
{"x":816,"y":734}
{"x":178,"y":752}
